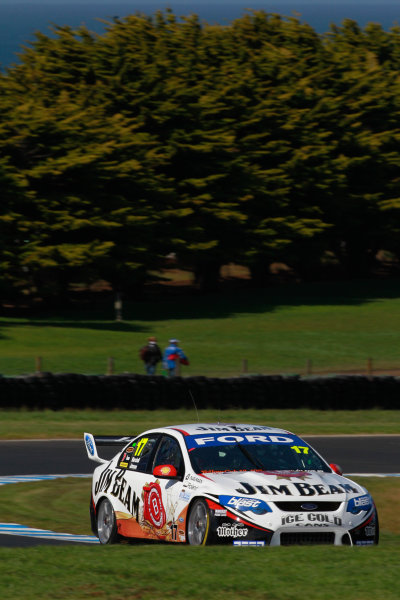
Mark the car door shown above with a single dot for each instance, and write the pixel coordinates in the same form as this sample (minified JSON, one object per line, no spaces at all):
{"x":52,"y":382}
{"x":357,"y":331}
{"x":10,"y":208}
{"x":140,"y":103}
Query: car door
{"x":134,"y":475}
{"x":153,"y":499}
{"x":163,"y":494}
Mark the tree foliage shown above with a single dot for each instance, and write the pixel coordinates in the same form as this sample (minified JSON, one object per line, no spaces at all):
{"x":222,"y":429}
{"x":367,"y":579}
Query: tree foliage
{"x":257,"y":142}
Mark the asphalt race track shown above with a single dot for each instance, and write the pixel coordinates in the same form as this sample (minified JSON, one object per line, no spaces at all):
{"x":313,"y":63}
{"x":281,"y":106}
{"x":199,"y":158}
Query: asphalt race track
{"x":355,"y":454}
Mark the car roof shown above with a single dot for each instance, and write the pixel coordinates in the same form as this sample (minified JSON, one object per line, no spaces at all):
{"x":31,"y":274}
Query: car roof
{"x":201,"y":428}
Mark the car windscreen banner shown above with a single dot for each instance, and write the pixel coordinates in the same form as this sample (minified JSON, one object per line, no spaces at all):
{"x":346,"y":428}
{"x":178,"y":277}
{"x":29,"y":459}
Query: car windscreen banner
{"x":215,"y":439}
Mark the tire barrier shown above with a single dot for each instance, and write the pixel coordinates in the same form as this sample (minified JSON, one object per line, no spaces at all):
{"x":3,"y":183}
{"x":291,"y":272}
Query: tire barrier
{"x":142,"y":392}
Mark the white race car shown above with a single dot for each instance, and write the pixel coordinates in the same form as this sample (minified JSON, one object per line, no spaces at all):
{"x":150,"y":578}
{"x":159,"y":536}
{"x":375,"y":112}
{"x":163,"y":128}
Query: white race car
{"x":246,"y":485}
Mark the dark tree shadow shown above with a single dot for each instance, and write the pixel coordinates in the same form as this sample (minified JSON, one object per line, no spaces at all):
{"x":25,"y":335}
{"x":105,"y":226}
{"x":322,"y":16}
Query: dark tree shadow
{"x":213,"y":305}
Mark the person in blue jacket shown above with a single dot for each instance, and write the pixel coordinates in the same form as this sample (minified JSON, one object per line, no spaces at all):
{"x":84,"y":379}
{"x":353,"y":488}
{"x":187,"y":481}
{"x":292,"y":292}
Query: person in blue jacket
{"x":173,"y":355}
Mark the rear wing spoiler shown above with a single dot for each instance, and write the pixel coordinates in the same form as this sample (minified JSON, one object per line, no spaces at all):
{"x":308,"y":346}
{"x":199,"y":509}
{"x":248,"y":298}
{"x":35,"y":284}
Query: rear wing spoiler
{"x":92,"y":441}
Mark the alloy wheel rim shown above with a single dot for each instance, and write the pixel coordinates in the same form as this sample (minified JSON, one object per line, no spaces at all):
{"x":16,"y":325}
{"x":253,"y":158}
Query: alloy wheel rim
{"x":105,"y":522}
{"x":197,"y":524}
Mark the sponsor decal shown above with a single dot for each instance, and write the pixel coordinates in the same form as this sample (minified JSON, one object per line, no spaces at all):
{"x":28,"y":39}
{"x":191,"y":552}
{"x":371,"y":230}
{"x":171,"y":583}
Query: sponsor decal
{"x":184,"y":495}
{"x":190,"y":486}
{"x":300,"y":449}
{"x":140,"y":445}
{"x":153,"y":510}
{"x":254,"y":505}
{"x":113,"y":482}
{"x":317,"y":519}
{"x":232,"y":530}
{"x":248,"y":543}
{"x":127,"y":458}
{"x":240,"y":428}
{"x":167,"y":470}
{"x":193,"y":478}
{"x":220,"y":512}
{"x":196,"y":441}
{"x":289,"y":474}
{"x":364,"y":543}
{"x":295,"y":489}
{"x":193,"y":482}
{"x":89,"y":444}
{"x":104,"y":481}
{"x":356,"y":505}
{"x":123,"y":491}
{"x":369,"y":530}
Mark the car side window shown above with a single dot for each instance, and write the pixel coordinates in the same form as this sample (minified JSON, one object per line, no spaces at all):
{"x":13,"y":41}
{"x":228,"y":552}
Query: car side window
{"x":169,"y":453}
{"x":137,"y":454}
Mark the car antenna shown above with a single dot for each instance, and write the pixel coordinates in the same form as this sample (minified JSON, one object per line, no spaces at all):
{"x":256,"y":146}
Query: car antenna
{"x":194,"y":404}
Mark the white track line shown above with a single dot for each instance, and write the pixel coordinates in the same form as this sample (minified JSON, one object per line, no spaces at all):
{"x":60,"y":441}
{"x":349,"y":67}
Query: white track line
{"x":22,"y":530}
{"x":29,"y":478}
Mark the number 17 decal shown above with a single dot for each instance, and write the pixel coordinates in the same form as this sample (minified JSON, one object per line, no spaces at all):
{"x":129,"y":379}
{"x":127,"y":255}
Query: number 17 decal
{"x":140,"y":446}
{"x":300,"y":449}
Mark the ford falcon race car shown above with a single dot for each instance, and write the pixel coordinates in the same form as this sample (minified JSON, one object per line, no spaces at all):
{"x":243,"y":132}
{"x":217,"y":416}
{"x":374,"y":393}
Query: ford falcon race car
{"x":246,"y":485}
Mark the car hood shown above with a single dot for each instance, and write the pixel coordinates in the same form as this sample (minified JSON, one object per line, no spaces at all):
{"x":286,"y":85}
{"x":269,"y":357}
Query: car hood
{"x":284,"y":484}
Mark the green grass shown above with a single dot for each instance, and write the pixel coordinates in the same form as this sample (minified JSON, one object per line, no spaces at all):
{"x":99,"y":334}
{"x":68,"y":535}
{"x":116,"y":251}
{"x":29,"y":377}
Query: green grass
{"x":337,"y":326}
{"x":155,"y":573}
{"x":72,"y":424}
{"x":158,"y":572}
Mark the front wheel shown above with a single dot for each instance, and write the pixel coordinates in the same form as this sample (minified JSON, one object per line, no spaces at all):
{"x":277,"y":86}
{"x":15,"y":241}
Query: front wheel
{"x":376,"y":537}
{"x":106,"y":523}
{"x":198,"y":523}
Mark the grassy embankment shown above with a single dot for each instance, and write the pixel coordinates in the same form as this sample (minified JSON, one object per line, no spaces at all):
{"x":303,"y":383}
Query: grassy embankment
{"x":158,"y":572}
{"x":72,"y":424}
{"x":337,"y":326}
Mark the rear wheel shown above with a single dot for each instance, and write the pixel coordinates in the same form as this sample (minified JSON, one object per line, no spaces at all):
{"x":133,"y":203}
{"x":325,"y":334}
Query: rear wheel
{"x":198,"y":523}
{"x":106,"y":523}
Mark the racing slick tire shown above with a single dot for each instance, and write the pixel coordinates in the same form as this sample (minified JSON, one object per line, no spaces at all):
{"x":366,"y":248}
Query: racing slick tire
{"x":376,"y":538}
{"x":106,"y":523}
{"x":198,"y":524}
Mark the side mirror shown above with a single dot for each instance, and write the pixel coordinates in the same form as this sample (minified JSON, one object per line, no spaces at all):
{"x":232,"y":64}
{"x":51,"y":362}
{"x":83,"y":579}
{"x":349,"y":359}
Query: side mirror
{"x":165,"y":472}
{"x":336,"y":469}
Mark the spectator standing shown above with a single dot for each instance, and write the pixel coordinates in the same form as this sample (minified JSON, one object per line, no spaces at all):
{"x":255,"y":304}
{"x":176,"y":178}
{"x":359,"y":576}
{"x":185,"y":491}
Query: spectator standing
{"x":173,"y":355}
{"x":150,"y":355}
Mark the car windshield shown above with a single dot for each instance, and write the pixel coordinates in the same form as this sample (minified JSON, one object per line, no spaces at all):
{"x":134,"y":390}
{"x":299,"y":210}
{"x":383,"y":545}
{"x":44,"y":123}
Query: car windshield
{"x":237,"y":456}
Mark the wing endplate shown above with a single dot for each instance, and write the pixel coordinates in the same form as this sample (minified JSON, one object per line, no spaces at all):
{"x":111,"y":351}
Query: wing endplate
{"x":92,"y":442}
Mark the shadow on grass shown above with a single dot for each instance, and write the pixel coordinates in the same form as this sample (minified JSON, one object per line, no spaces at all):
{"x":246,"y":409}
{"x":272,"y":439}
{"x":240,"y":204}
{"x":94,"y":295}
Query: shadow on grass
{"x":216,"y":305}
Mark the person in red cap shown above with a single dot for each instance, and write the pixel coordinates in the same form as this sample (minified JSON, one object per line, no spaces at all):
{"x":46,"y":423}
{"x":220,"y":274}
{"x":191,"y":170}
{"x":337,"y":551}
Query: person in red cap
{"x":150,"y":355}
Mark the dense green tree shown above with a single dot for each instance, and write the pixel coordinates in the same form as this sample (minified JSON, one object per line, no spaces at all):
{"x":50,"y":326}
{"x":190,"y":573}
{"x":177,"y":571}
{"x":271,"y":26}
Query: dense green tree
{"x":94,"y":191}
{"x":364,"y":121}
{"x":258,"y":142}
